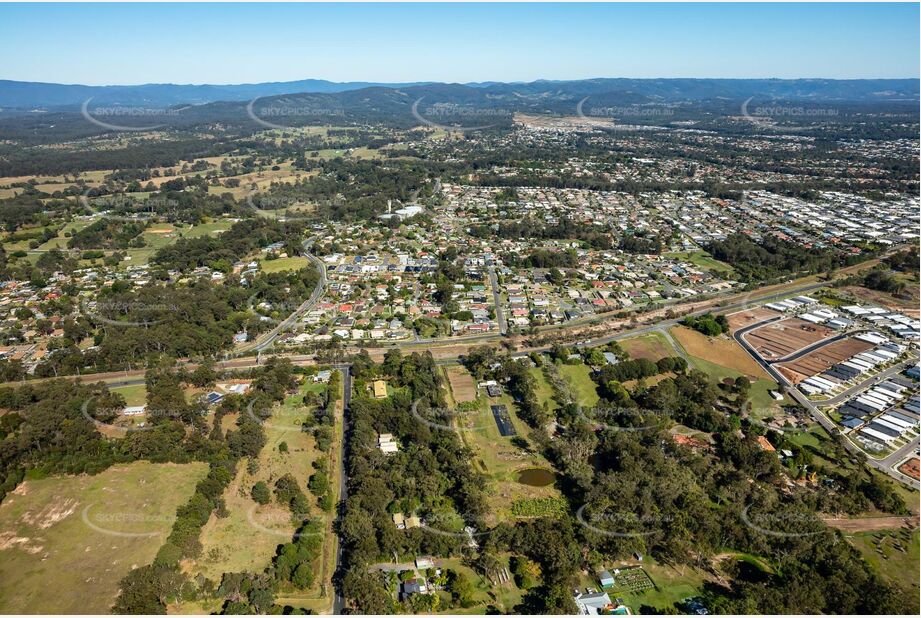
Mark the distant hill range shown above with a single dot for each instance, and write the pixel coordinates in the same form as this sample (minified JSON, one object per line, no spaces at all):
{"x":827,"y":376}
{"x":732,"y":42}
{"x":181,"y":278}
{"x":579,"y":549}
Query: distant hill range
{"x":37,"y":95}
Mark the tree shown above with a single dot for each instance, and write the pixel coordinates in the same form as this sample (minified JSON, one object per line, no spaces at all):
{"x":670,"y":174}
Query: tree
{"x":302,"y":577}
{"x":260,"y":493}
{"x":204,"y":375}
{"x":460,"y":588}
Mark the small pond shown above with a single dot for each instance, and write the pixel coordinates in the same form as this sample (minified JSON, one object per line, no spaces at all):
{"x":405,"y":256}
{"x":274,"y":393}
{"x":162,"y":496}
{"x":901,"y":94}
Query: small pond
{"x":536,"y":477}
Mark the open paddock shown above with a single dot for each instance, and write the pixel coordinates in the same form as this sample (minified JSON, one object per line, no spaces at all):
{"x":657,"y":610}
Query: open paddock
{"x":66,"y":542}
{"x":652,"y":347}
{"x":720,"y":350}
{"x":463,"y":388}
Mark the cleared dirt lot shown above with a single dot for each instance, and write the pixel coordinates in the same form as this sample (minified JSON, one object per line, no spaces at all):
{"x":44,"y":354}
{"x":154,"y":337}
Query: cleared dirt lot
{"x":463,"y":388}
{"x":747,"y":317}
{"x":652,"y":346}
{"x":911,"y":468}
{"x":785,"y":337}
{"x":719,"y":350}
{"x":818,"y":361}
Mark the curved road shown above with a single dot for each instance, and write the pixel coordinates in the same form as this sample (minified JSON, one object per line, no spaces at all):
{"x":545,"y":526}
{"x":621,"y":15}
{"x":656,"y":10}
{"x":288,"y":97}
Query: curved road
{"x":268,"y":338}
{"x":883,"y":465}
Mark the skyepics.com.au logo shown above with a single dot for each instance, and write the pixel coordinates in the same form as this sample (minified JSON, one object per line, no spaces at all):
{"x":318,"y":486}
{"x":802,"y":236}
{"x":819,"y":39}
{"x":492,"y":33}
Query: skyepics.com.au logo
{"x":623,"y":117}
{"x":454,"y":117}
{"x":618,"y":418}
{"x":278,"y":521}
{"x":770,"y":116}
{"x":124,"y":523}
{"x":616,"y":521}
{"x":446,"y":419}
{"x":283,"y":116}
{"x":126,"y":314}
{"x":128,"y":117}
{"x":108,"y":418}
{"x":284,"y":208}
{"x":780,"y":522}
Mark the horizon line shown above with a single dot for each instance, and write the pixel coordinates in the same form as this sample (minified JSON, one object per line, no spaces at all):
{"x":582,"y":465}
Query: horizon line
{"x":449,"y":82}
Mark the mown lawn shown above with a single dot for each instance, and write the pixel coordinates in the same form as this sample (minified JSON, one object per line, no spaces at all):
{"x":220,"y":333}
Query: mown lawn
{"x":703,"y":260}
{"x":280,"y":264}
{"x":671,"y":586}
{"x":135,"y":395}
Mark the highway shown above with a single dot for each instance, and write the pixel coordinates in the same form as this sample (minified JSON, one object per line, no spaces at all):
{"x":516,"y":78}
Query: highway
{"x":883,"y":465}
{"x":237,"y":361}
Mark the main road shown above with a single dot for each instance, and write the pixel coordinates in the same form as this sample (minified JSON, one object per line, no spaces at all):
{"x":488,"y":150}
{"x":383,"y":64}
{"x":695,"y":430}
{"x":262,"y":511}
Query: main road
{"x":238,"y":361}
{"x":338,"y":599}
{"x":266,"y":339}
{"x":497,"y":299}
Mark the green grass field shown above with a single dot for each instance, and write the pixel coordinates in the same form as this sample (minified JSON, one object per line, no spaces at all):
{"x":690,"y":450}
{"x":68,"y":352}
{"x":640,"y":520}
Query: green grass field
{"x":135,"y":395}
{"x":544,"y":392}
{"x":280,"y":264}
{"x":579,"y":376}
{"x":671,"y":586}
{"x":880,"y":550}
{"x":763,"y":404}
{"x":66,"y":542}
{"x":703,"y":260}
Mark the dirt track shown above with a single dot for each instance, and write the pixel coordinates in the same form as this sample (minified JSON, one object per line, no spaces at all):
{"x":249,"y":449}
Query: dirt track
{"x":869,"y":524}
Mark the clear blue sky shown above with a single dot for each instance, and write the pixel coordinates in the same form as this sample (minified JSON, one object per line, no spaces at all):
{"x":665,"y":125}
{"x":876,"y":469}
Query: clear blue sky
{"x":235,"y":43}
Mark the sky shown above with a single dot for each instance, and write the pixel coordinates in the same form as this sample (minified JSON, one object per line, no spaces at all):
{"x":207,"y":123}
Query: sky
{"x":100,"y":44}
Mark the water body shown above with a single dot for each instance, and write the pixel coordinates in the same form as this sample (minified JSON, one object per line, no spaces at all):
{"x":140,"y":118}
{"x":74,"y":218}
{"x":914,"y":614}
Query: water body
{"x":536,"y":477}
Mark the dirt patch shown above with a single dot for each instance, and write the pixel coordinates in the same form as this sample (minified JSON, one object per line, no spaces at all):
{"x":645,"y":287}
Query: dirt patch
{"x":907,"y":305}
{"x":51,"y":514}
{"x":793,"y":376}
{"x":818,"y":361}
{"x":911,"y":468}
{"x":463,"y":388}
{"x":785,"y":337}
{"x":720,"y":351}
{"x":869,"y":524}
{"x":747,"y":317}
{"x":9,"y":540}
